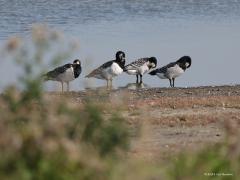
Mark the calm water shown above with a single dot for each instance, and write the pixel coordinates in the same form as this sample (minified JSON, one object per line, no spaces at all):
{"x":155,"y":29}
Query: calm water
{"x":208,"y":31}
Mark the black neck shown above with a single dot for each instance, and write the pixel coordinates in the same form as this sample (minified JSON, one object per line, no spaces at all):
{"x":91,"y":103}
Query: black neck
{"x":77,"y":70}
{"x":120,"y":63}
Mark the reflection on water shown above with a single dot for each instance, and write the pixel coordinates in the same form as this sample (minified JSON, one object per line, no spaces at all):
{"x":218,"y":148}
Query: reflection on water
{"x":100,"y":88}
{"x":134,"y":86}
{"x":208,"y":31}
{"x":130,"y":86}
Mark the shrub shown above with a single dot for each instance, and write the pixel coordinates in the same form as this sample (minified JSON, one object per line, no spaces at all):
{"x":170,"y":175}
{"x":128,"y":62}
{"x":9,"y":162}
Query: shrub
{"x":42,"y":137}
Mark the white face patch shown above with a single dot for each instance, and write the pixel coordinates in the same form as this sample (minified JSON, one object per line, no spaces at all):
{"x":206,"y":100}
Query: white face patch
{"x":153,"y":65}
{"x":76,"y":62}
{"x":122,"y":57}
{"x":187,"y":64}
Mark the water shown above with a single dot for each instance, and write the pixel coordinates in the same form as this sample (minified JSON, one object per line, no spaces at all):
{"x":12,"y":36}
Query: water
{"x":208,"y":31}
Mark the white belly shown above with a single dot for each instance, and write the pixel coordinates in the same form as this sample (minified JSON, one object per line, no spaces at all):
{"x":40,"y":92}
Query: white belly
{"x":138,"y":70}
{"x":132,"y":72}
{"x":67,"y":76}
{"x":143,"y":69}
{"x":174,"y":72}
{"x":112,"y":71}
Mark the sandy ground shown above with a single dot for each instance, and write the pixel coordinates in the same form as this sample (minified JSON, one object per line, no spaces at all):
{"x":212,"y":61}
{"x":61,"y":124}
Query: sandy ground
{"x":164,"y":121}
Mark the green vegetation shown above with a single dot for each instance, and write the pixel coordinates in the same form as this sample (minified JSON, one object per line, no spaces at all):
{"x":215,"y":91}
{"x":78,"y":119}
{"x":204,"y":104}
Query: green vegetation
{"x":213,"y":162}
{"x":43,"y":138}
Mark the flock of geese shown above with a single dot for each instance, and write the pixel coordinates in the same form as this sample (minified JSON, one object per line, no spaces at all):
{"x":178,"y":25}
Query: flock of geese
{"x":113,"y":68}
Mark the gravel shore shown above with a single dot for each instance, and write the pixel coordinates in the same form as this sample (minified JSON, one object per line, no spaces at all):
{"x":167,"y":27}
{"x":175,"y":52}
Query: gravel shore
{"x":169,"y":120}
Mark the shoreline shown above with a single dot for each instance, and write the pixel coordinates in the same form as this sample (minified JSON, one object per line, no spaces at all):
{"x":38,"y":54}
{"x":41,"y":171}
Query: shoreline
{"x":200,"y":91}
{"x":166,"y":121}
{"x":170,"y":120}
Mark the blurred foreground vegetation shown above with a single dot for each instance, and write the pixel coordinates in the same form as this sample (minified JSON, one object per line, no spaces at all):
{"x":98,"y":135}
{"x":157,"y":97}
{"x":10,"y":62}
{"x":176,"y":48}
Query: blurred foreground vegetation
{"x":52,"y":138}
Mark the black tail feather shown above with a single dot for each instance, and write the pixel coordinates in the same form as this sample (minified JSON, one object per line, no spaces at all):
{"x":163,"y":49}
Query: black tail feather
{"x":154,"y":72}
{"x":45,"y":77}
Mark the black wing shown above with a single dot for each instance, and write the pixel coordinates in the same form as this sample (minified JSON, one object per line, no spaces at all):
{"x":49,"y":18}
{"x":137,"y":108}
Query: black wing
{"x":165,"y":68}
{"x":100,"y":69}
{"x":107,"y":64}
{"x":136,"y":64}
{"x":59,"y":70}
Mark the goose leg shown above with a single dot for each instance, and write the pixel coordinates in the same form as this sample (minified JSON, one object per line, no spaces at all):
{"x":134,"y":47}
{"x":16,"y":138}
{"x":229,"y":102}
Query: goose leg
{"x":170,"y":81}
{"x":62,"y":86}
{"x":67,"y":86}
{"x":173,"y":82}
{"x":107,"y":82}
{"x":137,"y":79}
{"x":140,"y":79}
{"x":110,"y":82}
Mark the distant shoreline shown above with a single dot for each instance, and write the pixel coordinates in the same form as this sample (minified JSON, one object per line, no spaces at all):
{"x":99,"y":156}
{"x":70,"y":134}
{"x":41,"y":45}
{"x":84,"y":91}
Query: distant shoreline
{"x":228,"y":90}
{"x":153,"y":92}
